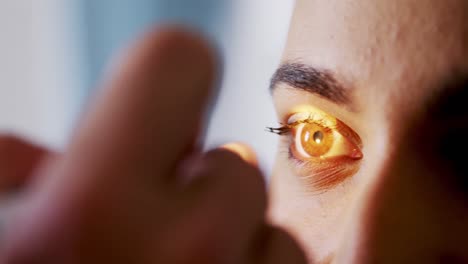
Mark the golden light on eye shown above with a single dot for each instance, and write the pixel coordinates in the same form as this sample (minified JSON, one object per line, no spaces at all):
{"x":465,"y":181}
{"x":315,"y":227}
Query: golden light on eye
{"x":324,"y":150}
{"x":313,"y":140}
{"x":319,"y":135}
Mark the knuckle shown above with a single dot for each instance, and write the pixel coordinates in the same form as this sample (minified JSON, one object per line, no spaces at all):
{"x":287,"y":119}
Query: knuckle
{"x":241,"y":184}
{"x":238,"y":174}
{"x":7,"y":142}
{"x":222,"y":156}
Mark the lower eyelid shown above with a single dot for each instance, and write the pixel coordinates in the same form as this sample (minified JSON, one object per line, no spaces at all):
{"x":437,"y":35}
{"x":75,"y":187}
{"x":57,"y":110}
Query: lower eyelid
{"x":330,"y":176}
{"x":322,"y":175}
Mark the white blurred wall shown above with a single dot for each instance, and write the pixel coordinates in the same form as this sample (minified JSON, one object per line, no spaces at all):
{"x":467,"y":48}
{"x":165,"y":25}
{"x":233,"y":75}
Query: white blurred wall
{"x":36,"y":88}
{"x":254,"y":49}
{"x":40,"y":81}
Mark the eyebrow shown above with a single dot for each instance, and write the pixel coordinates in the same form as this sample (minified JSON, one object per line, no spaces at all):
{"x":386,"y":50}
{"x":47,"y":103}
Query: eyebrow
{"x":312,"y":80}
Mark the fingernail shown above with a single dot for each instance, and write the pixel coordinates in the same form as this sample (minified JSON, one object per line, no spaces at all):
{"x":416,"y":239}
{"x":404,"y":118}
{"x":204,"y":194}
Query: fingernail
{"x":243,"y":151}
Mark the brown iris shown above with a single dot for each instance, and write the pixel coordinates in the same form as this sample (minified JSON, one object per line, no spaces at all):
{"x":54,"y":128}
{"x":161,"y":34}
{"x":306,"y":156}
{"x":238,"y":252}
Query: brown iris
{"x":315,"y":139}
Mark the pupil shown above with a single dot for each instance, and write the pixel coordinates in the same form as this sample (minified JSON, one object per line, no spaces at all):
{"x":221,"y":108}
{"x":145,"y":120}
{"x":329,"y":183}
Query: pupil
{"x":318,"y":137}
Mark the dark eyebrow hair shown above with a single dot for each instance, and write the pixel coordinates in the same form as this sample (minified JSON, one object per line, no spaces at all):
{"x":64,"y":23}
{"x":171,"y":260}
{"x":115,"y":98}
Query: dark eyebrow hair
{"x":312,"y":80}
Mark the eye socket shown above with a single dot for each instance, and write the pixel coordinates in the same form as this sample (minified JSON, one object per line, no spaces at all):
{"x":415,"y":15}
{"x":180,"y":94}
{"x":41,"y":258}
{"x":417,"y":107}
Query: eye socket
{"x":322,"y":149}
{"x":320,"y":136}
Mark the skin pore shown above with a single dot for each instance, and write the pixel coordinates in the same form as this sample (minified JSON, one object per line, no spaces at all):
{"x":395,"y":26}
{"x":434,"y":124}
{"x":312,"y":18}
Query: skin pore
{"x":393,"y":61}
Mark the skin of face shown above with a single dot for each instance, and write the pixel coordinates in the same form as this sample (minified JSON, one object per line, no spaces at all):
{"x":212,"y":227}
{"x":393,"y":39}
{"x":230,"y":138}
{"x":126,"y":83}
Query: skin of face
{"x":397,"y":60}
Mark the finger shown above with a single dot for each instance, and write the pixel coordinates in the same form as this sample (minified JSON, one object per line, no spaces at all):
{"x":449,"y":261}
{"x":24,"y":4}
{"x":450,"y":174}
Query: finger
{"x":149,"y":114}
{"x":281,"y":248}
{"x":186,"y":169}
{"x":243,"y":150}
{"x":102,"y":192}
{"x":225,"y":204}
{"x":18,"y":160}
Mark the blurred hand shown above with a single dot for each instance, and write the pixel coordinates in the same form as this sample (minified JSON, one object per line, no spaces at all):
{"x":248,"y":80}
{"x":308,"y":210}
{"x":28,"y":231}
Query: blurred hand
{"x":130,"y":187}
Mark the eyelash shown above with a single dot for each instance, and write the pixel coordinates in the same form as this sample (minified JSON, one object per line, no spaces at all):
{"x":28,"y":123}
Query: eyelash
{"x":285,"y":129}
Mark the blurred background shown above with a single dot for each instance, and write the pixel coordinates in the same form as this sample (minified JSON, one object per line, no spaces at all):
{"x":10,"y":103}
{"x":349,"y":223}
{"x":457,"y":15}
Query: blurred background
{"x":52,"y":53}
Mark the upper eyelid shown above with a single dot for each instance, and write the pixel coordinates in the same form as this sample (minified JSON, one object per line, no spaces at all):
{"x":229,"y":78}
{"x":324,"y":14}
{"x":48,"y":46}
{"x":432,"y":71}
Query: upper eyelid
{"x":349,"y":133}
{"x":313,"y":118}
{"x":286,"y":128}
{"x":340,"y":126}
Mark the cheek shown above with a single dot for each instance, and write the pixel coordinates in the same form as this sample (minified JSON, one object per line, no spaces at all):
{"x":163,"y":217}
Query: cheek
{"x":317,"y":221}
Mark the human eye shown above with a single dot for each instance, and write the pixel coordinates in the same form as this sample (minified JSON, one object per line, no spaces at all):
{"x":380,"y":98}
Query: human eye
{"x":322,"y":149}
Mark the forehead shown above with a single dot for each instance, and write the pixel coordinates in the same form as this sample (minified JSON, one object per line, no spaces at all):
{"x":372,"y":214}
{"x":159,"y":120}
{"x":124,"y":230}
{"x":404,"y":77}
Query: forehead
{"x":396,"y":50}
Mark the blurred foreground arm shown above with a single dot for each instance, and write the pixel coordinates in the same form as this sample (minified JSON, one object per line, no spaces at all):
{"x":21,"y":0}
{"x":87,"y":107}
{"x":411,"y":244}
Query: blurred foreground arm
{"x":125,"y":190}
